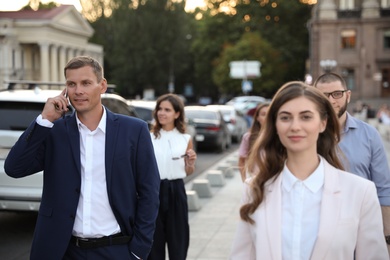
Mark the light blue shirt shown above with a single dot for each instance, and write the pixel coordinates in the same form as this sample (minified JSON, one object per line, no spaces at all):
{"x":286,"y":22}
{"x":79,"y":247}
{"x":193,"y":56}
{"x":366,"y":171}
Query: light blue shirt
{"x":365,"y":155}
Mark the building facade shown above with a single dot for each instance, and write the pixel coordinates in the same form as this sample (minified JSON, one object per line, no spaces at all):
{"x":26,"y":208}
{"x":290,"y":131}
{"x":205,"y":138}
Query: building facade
{"x":352,"y":38}
{"x":36,"y":45}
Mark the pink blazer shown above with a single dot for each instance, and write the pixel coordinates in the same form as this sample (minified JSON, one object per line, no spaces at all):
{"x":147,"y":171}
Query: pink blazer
{"x":350,"y":221}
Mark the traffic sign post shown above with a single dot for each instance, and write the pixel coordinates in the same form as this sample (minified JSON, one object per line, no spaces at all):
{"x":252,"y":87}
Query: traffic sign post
{"x":244,"y":70}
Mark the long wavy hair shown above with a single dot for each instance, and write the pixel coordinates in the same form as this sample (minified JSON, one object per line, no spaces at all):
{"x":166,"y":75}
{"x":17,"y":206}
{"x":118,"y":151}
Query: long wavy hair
{"x":178,"y":106}
{"x":256,"y":126}
{"x":269,"y":154}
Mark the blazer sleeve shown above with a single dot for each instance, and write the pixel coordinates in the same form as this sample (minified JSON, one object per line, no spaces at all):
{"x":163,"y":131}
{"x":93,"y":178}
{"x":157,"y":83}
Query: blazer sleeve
{"x":243,"y":246}
{"x":148,"y":188}
{"x":370,"y":241}
{"x":27,"y":155}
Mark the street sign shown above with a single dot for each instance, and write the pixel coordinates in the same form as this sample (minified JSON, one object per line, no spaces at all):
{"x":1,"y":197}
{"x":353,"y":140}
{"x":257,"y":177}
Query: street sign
{"x":245,"y":69}
{"x":246,"y":86}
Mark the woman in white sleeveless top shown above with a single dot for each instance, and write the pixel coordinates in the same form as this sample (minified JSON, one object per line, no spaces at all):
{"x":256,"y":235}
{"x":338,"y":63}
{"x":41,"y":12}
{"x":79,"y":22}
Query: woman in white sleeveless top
{"x":175,"y":159}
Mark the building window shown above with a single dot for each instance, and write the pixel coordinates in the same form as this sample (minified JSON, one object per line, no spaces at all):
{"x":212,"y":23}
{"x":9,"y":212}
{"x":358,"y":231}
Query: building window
{"x":347,"y":4}
{"x":386,"y":39}
{"x":349,"y":77}
{"x":348,"y":39}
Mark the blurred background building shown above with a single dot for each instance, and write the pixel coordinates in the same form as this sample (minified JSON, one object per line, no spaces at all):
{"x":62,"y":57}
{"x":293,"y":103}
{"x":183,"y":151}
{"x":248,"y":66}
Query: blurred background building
{"x":36,"y":45}
{"x":352,"y":38}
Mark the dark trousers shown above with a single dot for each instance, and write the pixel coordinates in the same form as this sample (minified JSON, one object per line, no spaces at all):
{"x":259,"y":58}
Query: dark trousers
{"x":113,"y":252}
{"x":172,"y":226}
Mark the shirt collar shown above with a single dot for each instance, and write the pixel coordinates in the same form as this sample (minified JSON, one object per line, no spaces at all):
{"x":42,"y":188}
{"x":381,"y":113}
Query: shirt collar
{"x":350,"y":122}
{"x":102,"y":123}
{"x":314,"y":182}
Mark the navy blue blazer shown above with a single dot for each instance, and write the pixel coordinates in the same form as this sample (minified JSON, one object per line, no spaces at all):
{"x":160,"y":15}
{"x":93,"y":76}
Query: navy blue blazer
{"x":132,"y":177}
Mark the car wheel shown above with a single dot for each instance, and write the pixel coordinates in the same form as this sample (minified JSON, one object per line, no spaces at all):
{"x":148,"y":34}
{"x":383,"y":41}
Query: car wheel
{"x":228,"y":141}
{"x":222,"y":146}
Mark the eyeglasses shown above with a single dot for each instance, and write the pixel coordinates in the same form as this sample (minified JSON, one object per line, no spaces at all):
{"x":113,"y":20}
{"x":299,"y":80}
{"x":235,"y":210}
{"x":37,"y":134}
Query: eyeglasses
{"x":175,"y":157}
{"x":335,"y":94}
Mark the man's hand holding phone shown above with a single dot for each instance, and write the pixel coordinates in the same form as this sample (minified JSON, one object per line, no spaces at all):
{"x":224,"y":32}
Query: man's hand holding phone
{"x":56,"y":107}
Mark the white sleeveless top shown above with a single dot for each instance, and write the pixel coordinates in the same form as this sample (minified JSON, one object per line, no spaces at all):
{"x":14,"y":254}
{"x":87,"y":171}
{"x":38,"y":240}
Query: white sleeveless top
{"x":168,"y":145}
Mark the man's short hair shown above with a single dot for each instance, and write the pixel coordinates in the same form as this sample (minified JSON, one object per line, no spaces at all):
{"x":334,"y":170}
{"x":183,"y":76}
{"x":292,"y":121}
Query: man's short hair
{"x":330,"y":77}
{"x":82,"y":61}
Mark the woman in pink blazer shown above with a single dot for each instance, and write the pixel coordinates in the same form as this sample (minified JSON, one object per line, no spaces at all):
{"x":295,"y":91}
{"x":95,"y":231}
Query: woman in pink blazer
{"x":301,"y":204}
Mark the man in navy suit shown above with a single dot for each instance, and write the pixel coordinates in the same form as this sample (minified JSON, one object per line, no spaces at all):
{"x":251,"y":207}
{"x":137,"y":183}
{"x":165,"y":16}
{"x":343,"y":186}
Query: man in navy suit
{"x":101,"y":183}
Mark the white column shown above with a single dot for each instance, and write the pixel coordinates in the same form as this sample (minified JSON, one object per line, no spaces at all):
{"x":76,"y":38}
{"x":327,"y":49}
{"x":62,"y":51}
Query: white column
{"x":44,"y":53}
{"x":54,"y":63}
{"x":370,"y":9}
{"x":62,"y":63}
{"x":327,"y":10}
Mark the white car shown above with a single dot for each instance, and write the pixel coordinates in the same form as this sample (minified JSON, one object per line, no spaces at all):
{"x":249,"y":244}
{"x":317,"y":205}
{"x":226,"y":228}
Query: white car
{"x":244,"y":103}
{"x":18,"y":108}
{"x":144,"y":109}
{"x":234,"y":119}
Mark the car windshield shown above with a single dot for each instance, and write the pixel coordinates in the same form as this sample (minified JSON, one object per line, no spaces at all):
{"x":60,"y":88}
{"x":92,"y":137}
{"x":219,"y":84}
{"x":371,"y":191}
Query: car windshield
{"x":199,"y":114}
{"x":18,"y":115}
{"x":144,"y":113}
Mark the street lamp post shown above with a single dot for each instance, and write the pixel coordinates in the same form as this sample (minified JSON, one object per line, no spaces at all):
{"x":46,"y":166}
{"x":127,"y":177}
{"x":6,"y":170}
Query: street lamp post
{"x":328,"y":65}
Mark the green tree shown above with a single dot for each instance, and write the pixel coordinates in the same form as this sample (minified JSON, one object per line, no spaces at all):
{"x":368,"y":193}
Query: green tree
{"x":213,"y":32}
{"x":37,"y":4}
{"x":250,"y":46}
{"x":145,"y":45}
{"x":282,"y":25}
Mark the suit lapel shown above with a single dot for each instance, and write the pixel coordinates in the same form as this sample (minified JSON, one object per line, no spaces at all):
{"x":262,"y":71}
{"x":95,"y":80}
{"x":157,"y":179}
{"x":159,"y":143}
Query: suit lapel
{"x":112,"y":127}
{"x":273,"y":211}
{"x":74,"y":139}
{"x":330,"y":211}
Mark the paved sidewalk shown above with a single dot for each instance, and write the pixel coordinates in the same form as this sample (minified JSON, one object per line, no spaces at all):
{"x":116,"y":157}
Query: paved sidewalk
{"x":213,"y":226}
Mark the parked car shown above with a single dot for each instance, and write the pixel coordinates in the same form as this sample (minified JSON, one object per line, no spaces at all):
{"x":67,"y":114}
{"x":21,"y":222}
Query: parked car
{"x":144,"y":109}
{"x":244,"y":103}
{"x":235,"y":121}
{"x":18,"y":108}
{"x":211,"y":128}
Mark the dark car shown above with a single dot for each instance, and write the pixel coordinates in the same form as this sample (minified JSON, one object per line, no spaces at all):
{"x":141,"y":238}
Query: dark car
{"x":211,"y":128}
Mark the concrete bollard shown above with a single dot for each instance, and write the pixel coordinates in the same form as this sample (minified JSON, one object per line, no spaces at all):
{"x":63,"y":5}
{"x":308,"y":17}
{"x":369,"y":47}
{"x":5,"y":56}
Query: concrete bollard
{"x":223,"y":166}
{"x":227,"y":169}
{"x":202,"y":188}
{"x":216,"y":178}
{"x":232,"y":161}
{"x":229,"y":172}
{"x":193,"y":200}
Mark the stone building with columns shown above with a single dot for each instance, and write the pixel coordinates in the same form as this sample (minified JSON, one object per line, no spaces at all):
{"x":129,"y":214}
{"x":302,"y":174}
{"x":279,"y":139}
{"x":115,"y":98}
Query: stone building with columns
{"x":352,"y":38}
{"x":36,"y":45}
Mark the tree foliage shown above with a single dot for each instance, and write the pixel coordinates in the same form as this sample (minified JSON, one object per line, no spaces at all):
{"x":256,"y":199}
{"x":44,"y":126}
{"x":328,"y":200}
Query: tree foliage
{"x":149,"y":43}
{"x":251,"y":46}
{"x":282,"y":26}
{"x":145,"y":46}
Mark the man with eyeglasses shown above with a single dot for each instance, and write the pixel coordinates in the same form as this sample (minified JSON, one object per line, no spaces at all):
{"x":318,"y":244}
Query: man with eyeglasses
{"x":364,"y":152}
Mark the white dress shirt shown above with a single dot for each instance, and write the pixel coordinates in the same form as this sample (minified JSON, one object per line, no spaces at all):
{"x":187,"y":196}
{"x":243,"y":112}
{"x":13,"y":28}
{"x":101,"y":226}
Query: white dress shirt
{"x":170,"y":144}
{"x":301,"y":204}
{"x":94,"y":216}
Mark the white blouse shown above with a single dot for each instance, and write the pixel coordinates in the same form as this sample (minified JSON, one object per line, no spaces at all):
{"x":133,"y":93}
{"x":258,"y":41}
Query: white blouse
{"x":301,"y":208}
{"x":168,"y":149}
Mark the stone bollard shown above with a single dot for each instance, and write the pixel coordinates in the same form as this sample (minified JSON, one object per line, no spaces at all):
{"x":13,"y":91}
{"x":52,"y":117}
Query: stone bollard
{"x":216,"y":178}
{"x":193,"y":200}
{"x":202,"y":188}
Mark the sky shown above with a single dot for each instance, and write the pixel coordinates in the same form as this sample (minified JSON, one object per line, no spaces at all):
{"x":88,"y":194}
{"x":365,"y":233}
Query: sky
{"x":14,"y":5}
